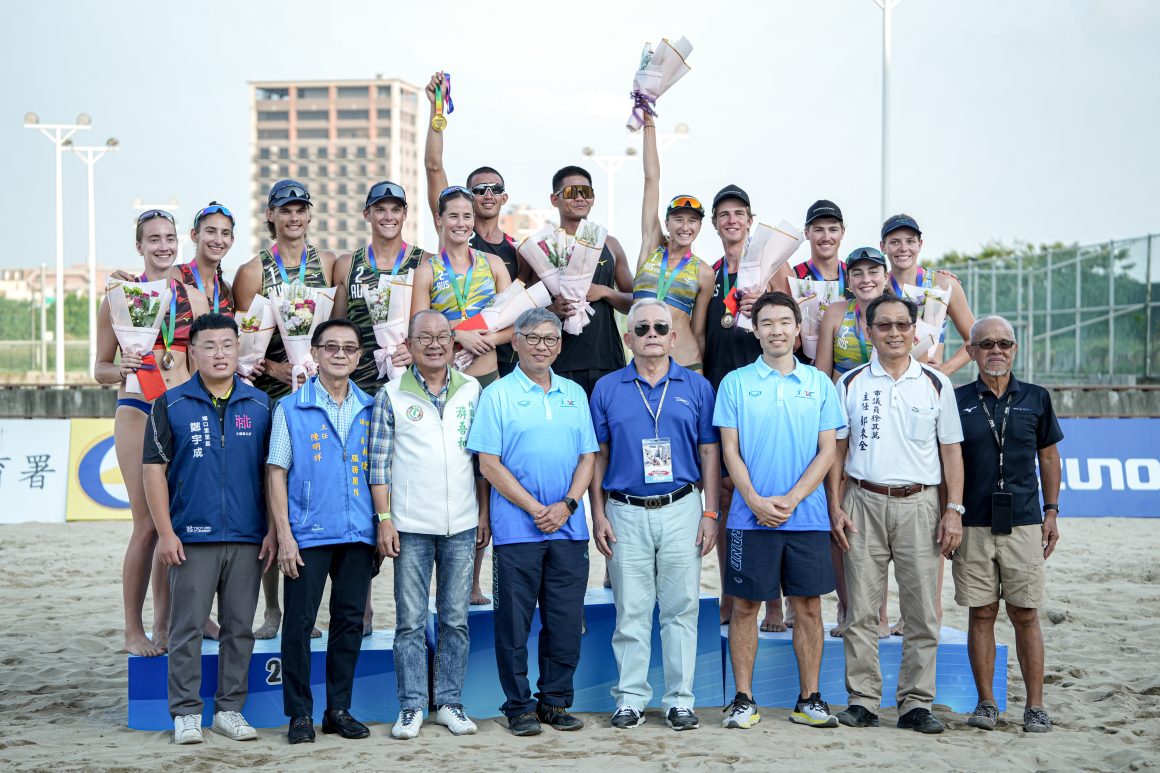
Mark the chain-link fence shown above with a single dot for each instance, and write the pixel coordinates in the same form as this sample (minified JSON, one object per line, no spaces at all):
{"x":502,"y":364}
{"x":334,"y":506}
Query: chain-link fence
{"x":1083,"y":315}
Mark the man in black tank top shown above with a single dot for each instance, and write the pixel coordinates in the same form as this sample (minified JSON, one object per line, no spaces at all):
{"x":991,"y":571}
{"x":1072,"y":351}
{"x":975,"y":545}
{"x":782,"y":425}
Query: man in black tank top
{"x":598,"y":349}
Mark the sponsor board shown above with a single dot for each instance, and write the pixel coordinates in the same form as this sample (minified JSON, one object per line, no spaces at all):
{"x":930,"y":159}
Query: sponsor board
{"x":96,"y":490}
{"x":34,"y":464}
{"x":1111,"y":468}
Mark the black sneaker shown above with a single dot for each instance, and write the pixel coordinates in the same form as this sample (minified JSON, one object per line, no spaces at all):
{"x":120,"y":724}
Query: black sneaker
{"x":524,"y":724}
{"x":857,"y":716}
{"x":985,"y":716}
{"x":626,"y":717}
{"x":301,"y":730}
{"x":920,"y":720}
{"x":680,"y":718}
{"x":558,"y":717}
{"x":1035,"y":720}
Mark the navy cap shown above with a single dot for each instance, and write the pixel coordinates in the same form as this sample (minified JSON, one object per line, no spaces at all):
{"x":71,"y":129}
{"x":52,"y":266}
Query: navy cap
{"x":385,"y":190}
{"x":871,"y":254}
{"x":823,"y":208}
{"x":689,"y":203}
{"x":730,"y":192}
{"x":894,"y":222}
{"x":285,"y":191}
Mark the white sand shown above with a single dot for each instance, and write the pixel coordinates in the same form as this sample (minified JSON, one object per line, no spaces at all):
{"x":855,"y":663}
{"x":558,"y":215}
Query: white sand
{"x":63,"y":684}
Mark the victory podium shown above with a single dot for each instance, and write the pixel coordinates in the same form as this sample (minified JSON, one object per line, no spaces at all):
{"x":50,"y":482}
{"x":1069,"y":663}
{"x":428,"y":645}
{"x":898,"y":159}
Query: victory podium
{"x":372,"y":700}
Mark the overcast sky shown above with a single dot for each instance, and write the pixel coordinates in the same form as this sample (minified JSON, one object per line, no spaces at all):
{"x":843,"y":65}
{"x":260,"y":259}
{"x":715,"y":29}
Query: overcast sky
{"x":1033,"y":120}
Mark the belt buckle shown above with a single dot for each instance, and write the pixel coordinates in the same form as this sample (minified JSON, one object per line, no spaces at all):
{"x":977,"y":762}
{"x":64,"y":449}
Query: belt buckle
{"x":652,"y":503}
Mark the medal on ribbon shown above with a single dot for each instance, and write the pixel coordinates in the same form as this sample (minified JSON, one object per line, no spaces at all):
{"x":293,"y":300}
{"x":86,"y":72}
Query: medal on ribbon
{"x":730,"y":297}
{"x":461,"y":294}
{"x":167,"y":331}
{"x":439,"y":121}
{"x":282,"y":268}
{"x":197,"y":279}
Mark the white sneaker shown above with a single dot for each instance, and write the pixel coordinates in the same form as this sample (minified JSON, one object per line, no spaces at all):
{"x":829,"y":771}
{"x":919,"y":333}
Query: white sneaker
{"x":741,"y":713}
{"x":408,"y":724}
{"x":233,"y":725}
{"x":187,"y":728}
{"x":452,"y":716}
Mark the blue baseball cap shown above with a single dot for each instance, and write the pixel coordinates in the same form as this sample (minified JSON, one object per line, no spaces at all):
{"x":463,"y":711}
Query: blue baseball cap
{"x":894,"y":222}
{"x":285,"y":191}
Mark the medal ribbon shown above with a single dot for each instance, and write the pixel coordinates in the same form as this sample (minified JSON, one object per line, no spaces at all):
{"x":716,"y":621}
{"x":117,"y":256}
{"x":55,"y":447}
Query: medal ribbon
{"x":728,"y":297}
{"x":439,"y":99}
{"x":816,"y":274}
{"x":656,"y":417}
{"x":282,"y":268}
{"x":460,"y":294}
{"x":168,"y":331}
{"x":395,"y":268}
{"x":197,"y":278}
{"x":859,"y":335}
{"x":447,"y":82}
{"x":665,"y":280}
{"x":919,"y":279}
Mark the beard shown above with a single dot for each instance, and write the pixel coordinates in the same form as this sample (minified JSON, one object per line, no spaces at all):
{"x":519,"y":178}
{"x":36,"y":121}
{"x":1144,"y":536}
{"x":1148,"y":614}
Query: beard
{"x":1002,"y":372}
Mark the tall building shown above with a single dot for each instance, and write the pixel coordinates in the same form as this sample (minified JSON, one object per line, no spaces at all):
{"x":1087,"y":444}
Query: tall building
{"x":337,"y":137}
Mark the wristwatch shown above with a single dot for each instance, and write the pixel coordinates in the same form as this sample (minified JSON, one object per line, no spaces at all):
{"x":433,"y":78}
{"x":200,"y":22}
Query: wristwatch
{"x":571,"y":503}
{"x":957,"y":508}
{"x":1051,"y":506}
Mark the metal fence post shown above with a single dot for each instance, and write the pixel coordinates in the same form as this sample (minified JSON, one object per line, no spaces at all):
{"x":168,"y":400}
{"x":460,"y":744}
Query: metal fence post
{"x":1111,"y":307}
{"x":1148,"y":313}
{"x":1030,"y":329}
{"x":1047,"y":313}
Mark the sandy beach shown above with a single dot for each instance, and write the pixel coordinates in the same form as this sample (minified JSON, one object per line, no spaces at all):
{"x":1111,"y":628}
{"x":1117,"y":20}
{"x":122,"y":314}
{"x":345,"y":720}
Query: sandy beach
{"x":63,"y":683}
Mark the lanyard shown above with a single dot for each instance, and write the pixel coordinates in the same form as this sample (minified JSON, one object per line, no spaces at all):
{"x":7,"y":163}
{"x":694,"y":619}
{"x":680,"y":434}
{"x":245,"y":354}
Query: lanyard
{"x":1000,"y":435}
{"x":282,"y":268}
{"x":394,"y":269}
{"x":197,"y":278}
{"x":919,"y":279}
{"x":656,"y":417}
{"x":665,"y":280}
{"x":816,"y":274}
{"x":168,"y":331}
{"x":858,"y":334}
{"x":460,"y":293}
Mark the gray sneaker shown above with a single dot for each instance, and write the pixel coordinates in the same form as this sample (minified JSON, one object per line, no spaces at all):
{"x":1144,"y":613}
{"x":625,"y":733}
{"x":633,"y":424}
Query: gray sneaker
{"x":985,"y":716}
{"x":626,"y":717}
{"x":1035,"y":720}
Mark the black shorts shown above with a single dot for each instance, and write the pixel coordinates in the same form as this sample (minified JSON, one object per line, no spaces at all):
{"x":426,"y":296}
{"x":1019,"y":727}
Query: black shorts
{"x":766,"y":563}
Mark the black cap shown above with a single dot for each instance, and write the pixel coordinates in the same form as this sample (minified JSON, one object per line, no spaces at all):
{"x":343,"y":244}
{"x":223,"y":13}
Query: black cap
{"x":285,"y":191}
{"x":894,"y":222}
{"x":823,"y":208}
{"x":690,"y":203}
{"x":730,"y":192}
{"x":385,"y":190}
{"x":871,"y":254}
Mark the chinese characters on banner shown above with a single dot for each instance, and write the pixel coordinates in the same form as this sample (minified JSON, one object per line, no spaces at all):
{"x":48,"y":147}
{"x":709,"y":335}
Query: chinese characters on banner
{"x":33,"y":470}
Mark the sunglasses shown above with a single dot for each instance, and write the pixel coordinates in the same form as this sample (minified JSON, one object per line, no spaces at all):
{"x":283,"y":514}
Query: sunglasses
{"x":482,"y":189}
{"x":886,"y":327}
{"x":213,"y":209}
{"x":640,"y":329}
{"x":290,"y":191}
{"x":456,"y":189}
{"x":349,"y":350}
{"x":385,"y":190}
{"x":577,"y":192}
{"x":686,"y":202}
{"x":149,"y":214}
{"x":987,"y":346}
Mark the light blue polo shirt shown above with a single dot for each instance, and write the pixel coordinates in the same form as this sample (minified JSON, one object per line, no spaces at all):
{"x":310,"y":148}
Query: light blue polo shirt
{"x":539,"y":438}
{"x":778,"y":419}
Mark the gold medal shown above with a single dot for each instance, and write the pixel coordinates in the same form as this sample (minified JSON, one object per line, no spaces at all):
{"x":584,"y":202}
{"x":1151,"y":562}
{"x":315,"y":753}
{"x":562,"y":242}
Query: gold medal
{"x":167,"y":360}
{"x":439,"y":123}
{"x":728,"y":320}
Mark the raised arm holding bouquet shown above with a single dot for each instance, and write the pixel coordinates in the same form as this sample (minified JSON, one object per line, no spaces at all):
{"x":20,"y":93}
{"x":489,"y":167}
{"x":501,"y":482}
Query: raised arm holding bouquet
{"x":659,"y":69}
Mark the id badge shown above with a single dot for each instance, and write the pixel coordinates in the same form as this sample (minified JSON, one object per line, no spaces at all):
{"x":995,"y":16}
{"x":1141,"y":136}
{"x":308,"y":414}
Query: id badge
{"x":658,"y":460}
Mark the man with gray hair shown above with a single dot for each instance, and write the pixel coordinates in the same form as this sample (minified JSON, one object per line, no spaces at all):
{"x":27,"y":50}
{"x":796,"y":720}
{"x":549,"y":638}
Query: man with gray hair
{"x":653,"y":459}
{"x":533,"y":434}
{"x":424,"y":492}
{"x":1008,"y":425}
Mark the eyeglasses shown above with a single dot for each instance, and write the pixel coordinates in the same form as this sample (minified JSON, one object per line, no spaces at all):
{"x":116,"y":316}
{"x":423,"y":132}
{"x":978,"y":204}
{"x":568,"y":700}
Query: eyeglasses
{"x":886,"y":327}
{"x":349,"y":350}
{"x":640,"y":329}
{"x":212,"y":209}
{"x":227,"y":347}
{"x":577,"y":192}
{"x":385,"y":190}
{"x":482,"y":189}
{"x":456,"y":189}
{"x":149,"y":214}
{"x":1004,"y":344}
{"x":535,"y":340}
{"x":426,"y":339}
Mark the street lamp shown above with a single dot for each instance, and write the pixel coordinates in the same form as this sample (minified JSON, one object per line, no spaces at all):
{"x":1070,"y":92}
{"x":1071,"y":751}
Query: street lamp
{"x":610,"y":164}
{"x":91,"y":154}
{"x":57,"y":133}
{"x":887,"y":7}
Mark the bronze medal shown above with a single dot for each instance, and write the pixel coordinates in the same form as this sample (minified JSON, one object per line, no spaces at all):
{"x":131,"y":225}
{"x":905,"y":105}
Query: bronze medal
{"x":439,"y":123}
{"x":728,"y":320}
{"x":167,"y":360}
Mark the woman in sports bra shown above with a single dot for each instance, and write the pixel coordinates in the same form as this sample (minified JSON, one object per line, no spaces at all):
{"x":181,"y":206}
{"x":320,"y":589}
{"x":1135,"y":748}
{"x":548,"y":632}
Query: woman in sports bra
{"x":843,"y":341}
{"x":157,"y":244}
{"x":213,"y":235}
{"x":666,"y":268}
{"x":460,"y":282}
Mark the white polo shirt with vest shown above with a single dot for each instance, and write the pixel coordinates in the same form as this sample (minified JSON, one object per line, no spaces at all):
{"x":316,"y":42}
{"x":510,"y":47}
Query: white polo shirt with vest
{"x":895,"y":427}
{"x":432,"y":478}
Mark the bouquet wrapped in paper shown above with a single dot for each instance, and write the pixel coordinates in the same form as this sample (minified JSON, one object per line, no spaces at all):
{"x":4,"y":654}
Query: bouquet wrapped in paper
{"x":933,"y":303}
{"x":659,"y":69}
{"x":577,"y":279}
{"x":767,"y":250}
{"x":136,"y":310}
{"x":299,"y":309}
{"x":256,"y":327}
{"x":547,"y":252}
{"x":503,"y":312}
{"x":389,"y":305}
{"x":813,"y":297}
{"x":926,"y":337}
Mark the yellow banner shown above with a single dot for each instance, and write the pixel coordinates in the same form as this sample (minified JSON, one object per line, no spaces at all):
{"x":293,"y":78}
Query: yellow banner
{"x":96,"y":490}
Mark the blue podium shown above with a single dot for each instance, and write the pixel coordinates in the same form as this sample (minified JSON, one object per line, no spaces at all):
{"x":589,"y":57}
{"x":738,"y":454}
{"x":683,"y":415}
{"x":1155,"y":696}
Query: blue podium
{"x":775,"y":674}
{"x":373,"y":699}
{"x":596,"y":673}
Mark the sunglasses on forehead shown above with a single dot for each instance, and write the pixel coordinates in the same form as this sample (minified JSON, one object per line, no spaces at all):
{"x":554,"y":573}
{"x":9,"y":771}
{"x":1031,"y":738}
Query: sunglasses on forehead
{"x":456,"y":189}
{"x":212,"y":209}
{"x":290,"y":191}
{"x":384,"y":190}
{"x":577,"y":192}
{"x":149,"y":214}
{"x":482,"y":189}
{"x":685,"y":202}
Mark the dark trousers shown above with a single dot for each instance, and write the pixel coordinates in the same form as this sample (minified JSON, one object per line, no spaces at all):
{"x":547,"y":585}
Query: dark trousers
{"x":585,"y":378}
{"x":349,"y":568}
{"x":555,"y":574}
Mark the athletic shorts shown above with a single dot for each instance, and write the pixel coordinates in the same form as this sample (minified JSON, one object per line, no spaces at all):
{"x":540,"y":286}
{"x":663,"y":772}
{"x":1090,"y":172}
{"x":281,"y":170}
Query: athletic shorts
{"x":764,"y":564}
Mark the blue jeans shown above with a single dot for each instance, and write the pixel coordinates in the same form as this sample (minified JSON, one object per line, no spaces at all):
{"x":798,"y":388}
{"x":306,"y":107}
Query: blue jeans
{"x":453,"y":558}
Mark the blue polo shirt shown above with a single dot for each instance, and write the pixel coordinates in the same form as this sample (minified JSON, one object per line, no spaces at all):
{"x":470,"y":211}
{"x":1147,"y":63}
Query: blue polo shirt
{"x":622,"y":421}
{"x":778,"y":419}
{"x":539,"y":438}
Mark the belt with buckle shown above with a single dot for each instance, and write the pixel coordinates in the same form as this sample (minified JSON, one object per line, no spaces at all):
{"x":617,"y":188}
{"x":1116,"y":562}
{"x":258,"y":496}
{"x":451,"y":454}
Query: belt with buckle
{"x":653,"y":502}
{"x":896,"y":490}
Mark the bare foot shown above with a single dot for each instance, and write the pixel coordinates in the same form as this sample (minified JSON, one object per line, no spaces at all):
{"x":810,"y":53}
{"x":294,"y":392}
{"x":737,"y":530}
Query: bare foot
{"x":837,"y":631}
{"x":884,"y":630}
{"x":895,"y":630}
{"x":270,"y":625}
{"x":140,"y":644}
{"x":771,"y":626}
{"x":161,"y":639}
{"x":478,"y":599}
{"x":315,"y":633}
{"x":212,"y":630}
{"x":774,"y":621}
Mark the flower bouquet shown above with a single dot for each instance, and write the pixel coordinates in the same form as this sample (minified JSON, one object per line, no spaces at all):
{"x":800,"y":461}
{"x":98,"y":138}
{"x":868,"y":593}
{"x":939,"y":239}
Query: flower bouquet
{"x":812,"y":297}
{"x":933,"y":303}
{"x":547,"y":252}
{"x":299,"y":309}
{"x":136,"y":310}
{"x":389,"y":305}
{"x":765,"y":252}
{"x":659,"y":69}
{"x":503,"y":312}
{"x":256,"y":327}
